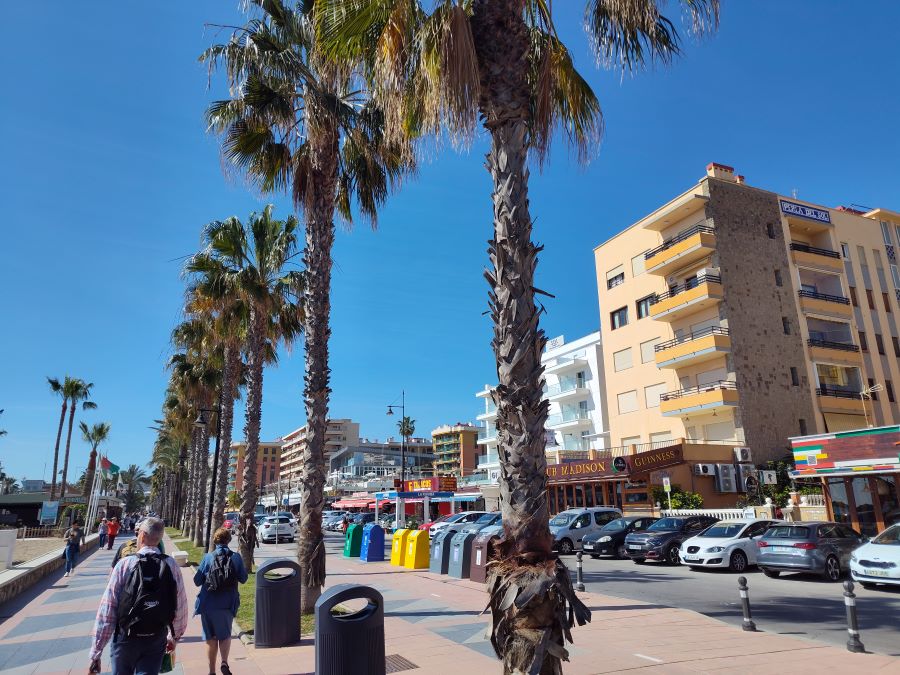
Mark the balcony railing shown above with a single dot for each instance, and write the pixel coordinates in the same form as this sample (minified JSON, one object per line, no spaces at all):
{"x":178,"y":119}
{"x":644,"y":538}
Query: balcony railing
{"x":669,"y":243}
{"x":488,"y":459}
{"x":815,"y":295}
{"x":693,"y":335}
{"x":564,"y":388}
{"x":806,"y":248}
{"x":839,"y":392}
{"x":686,"y":286}
{"x":828,"y":344}
{"x":690,"y":391}
{"x":487,"y":434}
{"x":562,"y":418}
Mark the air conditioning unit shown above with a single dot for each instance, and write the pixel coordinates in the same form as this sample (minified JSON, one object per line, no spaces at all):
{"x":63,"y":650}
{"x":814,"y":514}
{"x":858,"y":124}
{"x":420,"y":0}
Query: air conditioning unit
{"x":742,"y":455}
{"x":704,"y":469}
{"x":725,"y":478}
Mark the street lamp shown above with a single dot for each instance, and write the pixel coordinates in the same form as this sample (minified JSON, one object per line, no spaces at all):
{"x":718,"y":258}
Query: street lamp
{"x":867,"y":393}
{"x":200,"y":423}
{"x":401,"y":516}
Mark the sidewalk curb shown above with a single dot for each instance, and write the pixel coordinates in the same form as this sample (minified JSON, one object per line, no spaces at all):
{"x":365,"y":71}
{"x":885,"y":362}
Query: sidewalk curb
{"x":244,"y":636}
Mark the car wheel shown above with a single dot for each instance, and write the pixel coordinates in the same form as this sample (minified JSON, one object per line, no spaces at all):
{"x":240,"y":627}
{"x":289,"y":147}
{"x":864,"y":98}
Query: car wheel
{"x":621,"y":552}
{"x":868,"y":585}
{"x":772,"y":574}
{"x":738,"y":562}
{"x":638,"y":561}
{"x":566,"y":547}
{"x":673,"y":557}
{"x":832,"y":568}
{"x":595,"y":556}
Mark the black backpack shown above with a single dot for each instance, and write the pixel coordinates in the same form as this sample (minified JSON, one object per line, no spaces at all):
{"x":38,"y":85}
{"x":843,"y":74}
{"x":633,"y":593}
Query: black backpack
{"x":222,"y":575}
{"x":148,"y":600}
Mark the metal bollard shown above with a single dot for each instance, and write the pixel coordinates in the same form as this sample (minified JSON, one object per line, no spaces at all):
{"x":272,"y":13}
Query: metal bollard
{"x":579,"y":573}
{"x":747,"y":624}
{"x":853,"y":643}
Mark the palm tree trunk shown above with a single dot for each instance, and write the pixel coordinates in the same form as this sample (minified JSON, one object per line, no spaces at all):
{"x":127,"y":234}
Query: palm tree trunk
{"x":255,"y":360}
{"x":89,"y":475}
{"x":229,"y":382}
{"x":530,"y":590}
{"x":202,"y":479}
{"x":65,"y":469}
{"x":319,"y":216}
{"x":192,"y":486}
{"x":62,"y":418}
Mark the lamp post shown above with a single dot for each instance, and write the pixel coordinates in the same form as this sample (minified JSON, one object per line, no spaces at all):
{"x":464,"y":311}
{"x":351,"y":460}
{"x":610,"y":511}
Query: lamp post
{"x":201,"y":423}
{"x":401,"y":516}
{"x":867,"y":393}
{"x":182,"y":459}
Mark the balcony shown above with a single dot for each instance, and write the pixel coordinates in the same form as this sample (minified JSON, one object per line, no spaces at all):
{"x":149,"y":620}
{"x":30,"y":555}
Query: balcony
{"x":810,"y":256}
{"x":695,"y":347}
{"x":840,"y":400}
{"x":814,"y":302}
{"x":570,"y":419}
{"x":687,"y":247}
{"x":564,"y":365}
{"x":566,"y":391}
{"x":489,"y":460}
{"x":706,"y":397}
{"x":826,"y":350}
{"x":489,"y":414}
{"x":700,"y":292}
{"x":487,"y":436}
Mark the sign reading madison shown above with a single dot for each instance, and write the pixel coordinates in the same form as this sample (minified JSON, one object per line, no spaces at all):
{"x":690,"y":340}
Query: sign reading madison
{"x":792,"y":209}
{"x":642,"y":462}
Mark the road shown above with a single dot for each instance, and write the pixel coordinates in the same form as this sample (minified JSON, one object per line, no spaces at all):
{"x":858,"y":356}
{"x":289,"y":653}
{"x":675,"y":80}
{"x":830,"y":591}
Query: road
{"x":800,"y":605}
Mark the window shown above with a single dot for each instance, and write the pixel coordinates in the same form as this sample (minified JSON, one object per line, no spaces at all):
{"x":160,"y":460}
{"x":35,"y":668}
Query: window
{"x":637,"y":265}
{"x":885,"y":233}
{"x":873,"y":395}
{"x":845,"y":250}
{"x":786,"y":325}
{"x":631,"y":440}
{"x":648,"y":350}
{"x":770,"y":230}
{"x":887,"y":302}
{"x":795,"y":377}
{"x":622,"y":360}
{"x":643,"y":307}
{"x":778,"y":280}
{"x":652,"y":394}
{"x":889,"y":388}
{"x":618,"y":318}
{"x":604,"y":517}
{"x":896,"y":343}
{"x":661,"y":437}
{"x":582,"y":521}
{"x":879,"y":343}
{"x":628,"y":401}
{"x":863,"y":344}
{"x":615,"y":277}
{"x":853,"y":296}
{"x":870,"y":298}
{"x":895,"y":276}
{"x":803,"y":429}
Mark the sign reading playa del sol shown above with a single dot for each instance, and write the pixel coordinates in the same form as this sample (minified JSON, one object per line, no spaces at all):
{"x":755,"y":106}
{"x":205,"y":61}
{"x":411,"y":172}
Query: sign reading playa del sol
{"x":792,"y":209}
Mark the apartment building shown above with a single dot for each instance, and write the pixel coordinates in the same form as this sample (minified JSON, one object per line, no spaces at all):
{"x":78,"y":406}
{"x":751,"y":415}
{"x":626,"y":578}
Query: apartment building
{"x":455,"y":448}
{"x":374,"y":458}
{"x":736,"y":315}
{"x":268,"y":464}
{"x":338,"y":434}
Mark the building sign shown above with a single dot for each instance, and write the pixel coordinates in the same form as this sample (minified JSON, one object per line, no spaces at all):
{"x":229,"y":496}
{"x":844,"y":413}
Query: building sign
{"x":792,"y":209}
{"x":442,"y":484}
{"x":620,"y":465}
{"x":558,"y":341}
{"x":49,"y":513}
{"x":640,"y":463}
{"x":847,"y":452}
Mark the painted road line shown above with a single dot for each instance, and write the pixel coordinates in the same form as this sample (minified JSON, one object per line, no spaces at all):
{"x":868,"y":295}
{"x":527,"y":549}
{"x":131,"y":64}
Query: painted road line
{"x":649,"y":658}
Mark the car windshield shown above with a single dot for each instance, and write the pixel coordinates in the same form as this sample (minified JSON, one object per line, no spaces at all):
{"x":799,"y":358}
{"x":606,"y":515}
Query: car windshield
{"x":666,"y":524}
{"x":787,"y":532}
{"x":724,"y":530}
{"x":455,"y":517}
{"x":486,"y":518}
{"x":890,"y":536}
{"x":615,"y":525}
{"x":561,"y":519}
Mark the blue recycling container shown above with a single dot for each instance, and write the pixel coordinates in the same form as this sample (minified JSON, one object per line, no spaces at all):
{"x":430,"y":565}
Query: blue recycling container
{"x":372,"y":544}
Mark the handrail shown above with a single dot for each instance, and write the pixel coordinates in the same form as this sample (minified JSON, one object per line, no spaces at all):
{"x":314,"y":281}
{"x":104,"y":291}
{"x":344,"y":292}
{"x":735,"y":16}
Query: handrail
{"x":711,"y":330}
{"x":686,"y":286}
{"x":828,"y":344}
{"x":681,"y":236}
{"x":690,"y":391}
{"x":555,"y":389}
{"x":824,"y":296}
{"x":837,"y":393}
{"x":806,"y":248}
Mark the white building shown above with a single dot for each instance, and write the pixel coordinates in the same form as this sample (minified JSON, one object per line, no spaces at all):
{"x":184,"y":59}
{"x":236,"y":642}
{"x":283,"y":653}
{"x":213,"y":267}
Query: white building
{"x":574,"y":387}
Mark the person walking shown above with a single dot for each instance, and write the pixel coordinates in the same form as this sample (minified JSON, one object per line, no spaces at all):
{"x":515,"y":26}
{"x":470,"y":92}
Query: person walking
{"x":143,"y":601}
{"x":112,"y":529}
{"x":102,"y":531}
{"x":74,"y":536}
{"x":218,"y":577}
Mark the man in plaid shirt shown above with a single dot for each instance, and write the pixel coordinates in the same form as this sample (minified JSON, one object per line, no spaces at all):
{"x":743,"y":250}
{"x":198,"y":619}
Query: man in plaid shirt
{"x":130,"y":654}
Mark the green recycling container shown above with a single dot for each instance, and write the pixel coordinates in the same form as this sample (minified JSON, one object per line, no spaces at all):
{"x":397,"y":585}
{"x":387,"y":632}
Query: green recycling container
{"x":353,"y":541}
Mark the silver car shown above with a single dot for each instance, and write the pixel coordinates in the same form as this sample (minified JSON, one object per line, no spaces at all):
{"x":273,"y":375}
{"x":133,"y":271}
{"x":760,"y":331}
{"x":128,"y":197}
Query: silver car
{"x":819,"y":547}
{"x":570,"y":527}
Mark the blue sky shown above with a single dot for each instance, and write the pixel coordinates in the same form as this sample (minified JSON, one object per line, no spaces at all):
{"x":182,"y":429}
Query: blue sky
{"x":108,"y":178}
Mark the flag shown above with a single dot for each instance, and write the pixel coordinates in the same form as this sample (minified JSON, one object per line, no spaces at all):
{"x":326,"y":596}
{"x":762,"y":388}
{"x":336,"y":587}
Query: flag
{"x":107,"y":468}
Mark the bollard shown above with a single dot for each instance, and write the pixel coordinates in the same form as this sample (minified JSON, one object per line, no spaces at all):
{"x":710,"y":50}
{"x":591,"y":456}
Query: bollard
{"x":747,"y":624}
{"x":853,"y":643}
{"x":579,"y":573}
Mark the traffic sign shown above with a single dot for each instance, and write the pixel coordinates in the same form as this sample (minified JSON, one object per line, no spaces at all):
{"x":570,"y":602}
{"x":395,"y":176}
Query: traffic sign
{"x":667,"y":484}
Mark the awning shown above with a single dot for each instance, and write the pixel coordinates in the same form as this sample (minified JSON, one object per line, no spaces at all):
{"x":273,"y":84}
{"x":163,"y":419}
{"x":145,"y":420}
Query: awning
{"x":353,"y":503}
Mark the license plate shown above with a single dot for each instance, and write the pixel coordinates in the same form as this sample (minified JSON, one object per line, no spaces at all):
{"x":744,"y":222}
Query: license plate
{"x":634,"y":547}
{"x":690,"y":557}
{"x":876,"y":573}
{"x":784,"y":549}
{"x":588,"y":547}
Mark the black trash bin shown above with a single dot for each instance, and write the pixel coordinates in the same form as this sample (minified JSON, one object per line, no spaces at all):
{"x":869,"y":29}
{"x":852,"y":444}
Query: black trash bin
{"x":350,"y":643}
{"x":277,"y":620}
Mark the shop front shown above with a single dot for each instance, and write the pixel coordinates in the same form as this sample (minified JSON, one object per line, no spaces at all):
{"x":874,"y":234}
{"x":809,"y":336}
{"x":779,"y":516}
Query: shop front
{"x":859,"y":472}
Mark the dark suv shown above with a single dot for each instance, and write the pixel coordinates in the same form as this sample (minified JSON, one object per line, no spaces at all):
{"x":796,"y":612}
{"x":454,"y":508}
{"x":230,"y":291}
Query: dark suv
{"x":610,"y":540}
{"x":662,"y":540}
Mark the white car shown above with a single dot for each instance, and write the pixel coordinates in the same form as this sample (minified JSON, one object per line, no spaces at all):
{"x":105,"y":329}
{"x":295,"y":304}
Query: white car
{"x":878,"y":561}
{"x":275,"y":529}
{"x":456,"y":521}
{"x":728,"y":543}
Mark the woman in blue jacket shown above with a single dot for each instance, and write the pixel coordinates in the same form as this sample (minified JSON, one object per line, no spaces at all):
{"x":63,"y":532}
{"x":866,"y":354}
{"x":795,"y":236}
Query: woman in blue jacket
{"x":217,"y":608}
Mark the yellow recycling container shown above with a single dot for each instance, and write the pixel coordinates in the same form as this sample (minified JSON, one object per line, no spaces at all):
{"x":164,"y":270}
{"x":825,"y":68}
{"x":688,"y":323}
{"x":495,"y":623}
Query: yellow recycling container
{"x":417,"y":550}
{"x":398,"y":547}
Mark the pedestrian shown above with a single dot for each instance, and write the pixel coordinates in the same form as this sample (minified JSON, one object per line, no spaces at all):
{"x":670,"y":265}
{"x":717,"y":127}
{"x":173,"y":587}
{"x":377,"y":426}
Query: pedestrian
{"x":112,"y":529}
{"x":344,"y":524}
{"x":143,"y":601}
{"x":73,"y":536}
{"x":102,"y":531}
{"x":131,"y":547}
{"x":218,"y":577}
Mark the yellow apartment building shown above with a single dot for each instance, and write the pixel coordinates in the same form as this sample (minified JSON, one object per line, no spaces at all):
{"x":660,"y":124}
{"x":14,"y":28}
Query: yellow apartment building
{"x":737,"y":316}
{"x":455,"y":448}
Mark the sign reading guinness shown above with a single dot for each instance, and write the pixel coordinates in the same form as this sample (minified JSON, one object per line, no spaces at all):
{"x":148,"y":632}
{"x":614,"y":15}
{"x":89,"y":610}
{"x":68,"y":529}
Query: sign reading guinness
{"x":620,"y":465}
{"x":640,"y":463}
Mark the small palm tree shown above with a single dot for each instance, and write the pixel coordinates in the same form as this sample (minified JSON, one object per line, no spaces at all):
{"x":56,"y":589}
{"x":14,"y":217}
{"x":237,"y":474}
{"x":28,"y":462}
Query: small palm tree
{"x":407,"y":427}
{"x":2,"y":431}
{"x":133,"y":478}
{"x":9,"y":486}
{"x":76,"y":391}
{"x":94,"y":436}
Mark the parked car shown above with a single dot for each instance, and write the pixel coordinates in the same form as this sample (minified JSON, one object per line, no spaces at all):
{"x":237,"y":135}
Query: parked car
{"x":662,"y":540}
{"x":487,"y":520}
{"x":569,"y":527}
{"x":610,"y":539}
{"x":363,"y":518}
{"x":288,"y":514}
{"x":455,"y":521}
{"x":728,"y":543}
{"x":258,"y":518}
{"x":819,"y":547}
{"x":231,"y":518}
{"x":275,"y":529}
{"x":878,"y":561}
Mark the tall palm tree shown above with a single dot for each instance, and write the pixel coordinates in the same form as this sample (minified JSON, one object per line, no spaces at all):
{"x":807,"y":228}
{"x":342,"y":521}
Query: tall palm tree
{"x":501,"y":62}
{"x":298,"y":124}
{"x":58,"y":388}
{"x":77,"y":391}
{"x":406,"y":427}
{"x":94,"y":436}
{"x":133,"y":478}
{"x":253,"y":261}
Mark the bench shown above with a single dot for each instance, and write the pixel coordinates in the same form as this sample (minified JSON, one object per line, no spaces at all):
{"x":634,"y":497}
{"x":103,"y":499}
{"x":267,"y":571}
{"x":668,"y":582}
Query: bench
{"x":180,"y":557}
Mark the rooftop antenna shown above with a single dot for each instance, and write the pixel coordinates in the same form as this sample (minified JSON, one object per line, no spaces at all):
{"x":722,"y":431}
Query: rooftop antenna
{"x":794,"y":192}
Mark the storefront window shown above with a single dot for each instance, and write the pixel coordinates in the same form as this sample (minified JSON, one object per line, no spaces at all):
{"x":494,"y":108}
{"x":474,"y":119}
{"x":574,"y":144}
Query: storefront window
{"x":570,"y":496}
{"x":840,"y":506}
{"x":579,"y":495}
{"x":588,"y":494}
{"x":865,"y":506}
{"x":887,"y":495}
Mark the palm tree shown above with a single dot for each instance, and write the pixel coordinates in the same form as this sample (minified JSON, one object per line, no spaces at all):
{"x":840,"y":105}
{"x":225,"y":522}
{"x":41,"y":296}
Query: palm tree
{"x":501,"y":62}
{"x":298,"y":124}
{"x":252,"y":261}
{"x":2,"y":431}
{"x":407,"y":427}
{"x":58,"y":388}
{"x":94,"y":436}
{"x":9,"y":486}
{"x":133,"y":478}
{"x":77,"y":391}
